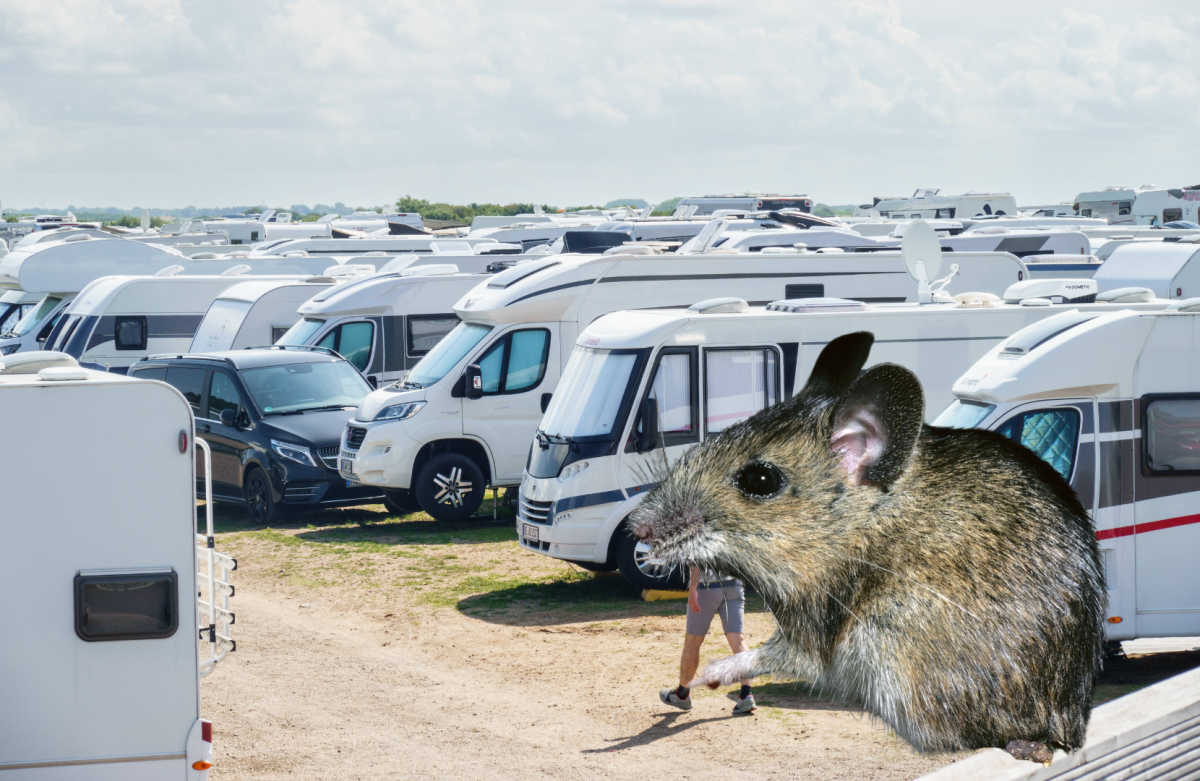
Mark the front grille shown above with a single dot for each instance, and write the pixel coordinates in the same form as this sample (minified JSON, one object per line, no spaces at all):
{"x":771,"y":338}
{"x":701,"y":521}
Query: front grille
{"x":299,"y":493}
{"x":329,"y":456}
{"x":535,"y":511}
{"x":535,"y":545}
{"x":355,"y":437}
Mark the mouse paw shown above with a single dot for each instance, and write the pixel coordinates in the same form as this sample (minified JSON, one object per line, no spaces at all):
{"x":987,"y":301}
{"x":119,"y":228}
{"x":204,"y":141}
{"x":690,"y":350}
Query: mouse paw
{"x":723,"y":672}
{"x":1030,"y":750}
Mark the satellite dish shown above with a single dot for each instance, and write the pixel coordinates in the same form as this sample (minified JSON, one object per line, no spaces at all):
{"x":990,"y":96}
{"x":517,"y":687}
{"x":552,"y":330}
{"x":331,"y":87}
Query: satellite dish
{"x":145,"y":220}
{"x":922,"y":253}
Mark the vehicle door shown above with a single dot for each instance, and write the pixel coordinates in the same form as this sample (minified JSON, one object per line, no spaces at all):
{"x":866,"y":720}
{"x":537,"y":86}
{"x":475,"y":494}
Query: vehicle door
{"x":189,"y":381}
{"x":674,"y":386}
{"x":355,"y":340}
{"x":1167,"y":525}
{"x":228,"y":443}
{"x":517,"y":368}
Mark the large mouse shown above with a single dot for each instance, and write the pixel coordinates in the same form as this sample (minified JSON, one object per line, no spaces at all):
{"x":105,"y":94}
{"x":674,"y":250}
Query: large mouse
{"x":947,"y":581}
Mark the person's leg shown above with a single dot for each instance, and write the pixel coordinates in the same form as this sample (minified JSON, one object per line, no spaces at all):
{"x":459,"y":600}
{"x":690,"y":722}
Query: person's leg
{"x":733,"y":621}
{"x":737,"y":642}
{"x":690,"y":661}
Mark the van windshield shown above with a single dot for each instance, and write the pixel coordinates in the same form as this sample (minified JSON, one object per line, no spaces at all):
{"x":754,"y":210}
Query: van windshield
{"x":302,"y":331}
{"x":446,"y":354}
{"x":299,"y":387}
{"x":36,"y":315}
{"x":964,"y":414}
{"x":590,"y":394}
{"x":220,"y":325}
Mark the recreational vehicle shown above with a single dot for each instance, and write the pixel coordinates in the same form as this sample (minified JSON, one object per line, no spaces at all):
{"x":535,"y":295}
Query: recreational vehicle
{"x":927,"y":203}
{"x":116,"y":321}
{"x":102,"y":670}
{"x":15,"y":304}
{"x":1170,"y":268}
{"x":693,"y":373}
{"x":377,"y":246}
{"x":1113,"y":203}
{"x":1168,"y":207}
{"x":749,"y":202}
{"x":466,"y":413}
{"x":1124,"y":431}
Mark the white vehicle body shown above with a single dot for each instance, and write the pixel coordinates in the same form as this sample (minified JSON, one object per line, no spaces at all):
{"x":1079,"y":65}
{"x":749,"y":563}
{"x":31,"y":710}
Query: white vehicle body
{"x":484,"y":221}
{"x":1125,"y":432}
{"x":551,"y":301}
{"x":15,"y":304}
{"x":1049,"y":210}
{"x":1159,"y":207}
{"x":374,"y":221}
{"x":1113,"y":203}
{"x":102,"y":682}
{"x":588,"y":468}
{"x":377,"y":246}
{"x":254,"y":313}
{"x":928,"y":204}
{"x":750,"y":202}
{"x":1170,"y":269}
{"x":536,"y":234}
{"x":117,"y":321}
{"x":1022,"y":243}
{"x":383,"y":324}
{"x":875,"y":226}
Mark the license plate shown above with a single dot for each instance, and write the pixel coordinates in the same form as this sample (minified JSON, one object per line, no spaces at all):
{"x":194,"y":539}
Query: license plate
{"x":530,"y":532}
{"x":346,"y":467}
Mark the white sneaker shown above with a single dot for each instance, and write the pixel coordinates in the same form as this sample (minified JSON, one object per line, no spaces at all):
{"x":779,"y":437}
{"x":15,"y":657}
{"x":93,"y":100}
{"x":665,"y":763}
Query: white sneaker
{"x":669,"y":697}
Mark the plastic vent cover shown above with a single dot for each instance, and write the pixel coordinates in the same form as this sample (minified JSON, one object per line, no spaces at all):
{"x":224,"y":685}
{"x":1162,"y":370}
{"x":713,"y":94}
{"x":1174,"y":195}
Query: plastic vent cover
{"x":1127,"y":295}
{"x":520,"y":271}
{"x":719,"y":306}
{"x":817,"y":305}
{"x":1028,"y":339}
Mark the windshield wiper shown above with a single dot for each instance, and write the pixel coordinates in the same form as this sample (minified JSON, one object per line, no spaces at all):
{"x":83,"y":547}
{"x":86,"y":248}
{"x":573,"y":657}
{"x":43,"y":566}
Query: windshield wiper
{"x":545,"y":440}
{"x":407,"y":383}
{"x":301,"y":410}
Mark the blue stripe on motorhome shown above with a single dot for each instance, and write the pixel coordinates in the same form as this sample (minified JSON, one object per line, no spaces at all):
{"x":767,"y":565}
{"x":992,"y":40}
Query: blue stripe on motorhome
{"x":1062,"y":266}
{"x":157,"y":327}
{"x":592,"y":500}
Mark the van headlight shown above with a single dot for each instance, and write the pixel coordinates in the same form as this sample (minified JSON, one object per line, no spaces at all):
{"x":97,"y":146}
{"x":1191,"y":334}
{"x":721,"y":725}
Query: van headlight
{"x":298,"y":453}
{"x":399,"y":411}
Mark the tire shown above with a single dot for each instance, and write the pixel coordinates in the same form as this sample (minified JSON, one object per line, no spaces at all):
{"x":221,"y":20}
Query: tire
{"x":260,"y":499}
{"x":637,"y":566}
{"x":450,"y":487}
{"x":401,"y":502}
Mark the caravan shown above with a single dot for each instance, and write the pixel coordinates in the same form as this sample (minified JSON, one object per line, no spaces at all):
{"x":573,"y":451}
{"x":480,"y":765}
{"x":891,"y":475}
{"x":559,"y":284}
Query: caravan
{"x":463,"y":417}
{"x":927,"y":203}
{"x":1111,"y":401}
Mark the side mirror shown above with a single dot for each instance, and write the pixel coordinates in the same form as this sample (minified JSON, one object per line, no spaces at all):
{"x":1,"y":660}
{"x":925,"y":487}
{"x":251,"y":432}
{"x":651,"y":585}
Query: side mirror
{"x":545,"y":401}
{"x":473,"y":387}
{"x":228,"y":418}
{"x":649,"y":438}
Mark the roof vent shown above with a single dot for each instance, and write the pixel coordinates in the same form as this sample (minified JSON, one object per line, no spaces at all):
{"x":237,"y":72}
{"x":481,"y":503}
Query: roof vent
{"x":374,"y":254}
{"x":235,"y":271}
{"x":204,"y":256}
{"x":169,"y":271}
{"x":62,"y":373}
{"x":1059,"y":291}
{"x":80,"y":237}
{"x":719,"y":306}
{"x":630,"y":249}
{"x":320,"y":280}
{"x":294,"y":254}
{"x":1030,"y":338}
{"x":1186,"y":305}
{"x":976,"y":299}
{"x":817,"y":305}
{"x":1126,"y":295}
{"x":241,"y":253}
{"x":34,"y":361}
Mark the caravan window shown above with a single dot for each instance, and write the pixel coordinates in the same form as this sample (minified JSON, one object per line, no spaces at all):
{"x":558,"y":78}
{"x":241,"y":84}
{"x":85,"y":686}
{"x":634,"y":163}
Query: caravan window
{"x":1050,"y":433}
{"x":1171,"y":435}
{"x":133,"y":606}
{"x":129,"y":332}
{"x":189,"y":382}
{"x":737,"y":384}
{"x":1124,"y":207}
{"x":352,"y":341}
{"x":516,"y":362}
{"x":425,"y":331}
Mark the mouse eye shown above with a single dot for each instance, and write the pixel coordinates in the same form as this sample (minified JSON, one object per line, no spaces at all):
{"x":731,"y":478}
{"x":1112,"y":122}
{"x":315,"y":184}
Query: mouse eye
{"x":759,"y":480}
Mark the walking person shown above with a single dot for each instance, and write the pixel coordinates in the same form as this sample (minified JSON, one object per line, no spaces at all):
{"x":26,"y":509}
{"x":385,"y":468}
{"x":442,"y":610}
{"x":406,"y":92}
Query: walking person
{"x":710,"y":595}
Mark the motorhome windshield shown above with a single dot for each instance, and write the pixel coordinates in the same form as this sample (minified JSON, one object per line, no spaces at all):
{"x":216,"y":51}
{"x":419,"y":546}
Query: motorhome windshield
{"x":220,"y":325}
{"x":302,"y":331}
{"x":590,"y":394}
{"x":446,"y":355}
{"x":304,"y":387}
{"x":36,"y":315}
{"x":964,"y":414}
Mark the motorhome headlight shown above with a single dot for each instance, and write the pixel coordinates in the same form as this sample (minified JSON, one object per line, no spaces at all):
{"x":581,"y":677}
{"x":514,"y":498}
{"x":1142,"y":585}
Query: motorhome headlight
{"x":400,"y":411}
{"x":297,"y":453}
{"x":9,"y":349}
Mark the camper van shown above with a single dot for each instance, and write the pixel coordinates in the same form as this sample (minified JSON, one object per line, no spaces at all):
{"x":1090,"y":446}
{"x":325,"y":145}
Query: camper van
{"x":378,"y":246}
{"x":1170,"y":268}
{"x":693,"y":373}
{"x":1167,"y":207}
{"x":102,"y":668}
{"x":116,"y":321}
{"x":1124,"y":431}
{"x":749,"y":202}
{"x":255,"y":313}
{"x":928,"y":203}
{"x":1114,"y":203}
{"x":464,"y":416}
{"x":386,"y":323}
{"x":15,"y":304}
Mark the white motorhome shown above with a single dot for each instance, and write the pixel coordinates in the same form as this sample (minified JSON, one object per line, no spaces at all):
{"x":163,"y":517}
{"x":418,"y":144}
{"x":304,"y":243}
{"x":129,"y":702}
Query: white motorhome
{"x":15,"y":304}
{"x":750,"y":202}
{"x":1124,"y":431}
{"x":1163,"y":207}
{"x":117,"y":321}
{"x":696,"y":372}
{"x":928,"y":203}
{"x":102,"y":678}
{"x":1170,"y":268}
{"x":255,"y":313}
{"x":466,"y":413}
{"x":1114,"y":203}
{"x":386,"y":323}
{"x":375,"y":246}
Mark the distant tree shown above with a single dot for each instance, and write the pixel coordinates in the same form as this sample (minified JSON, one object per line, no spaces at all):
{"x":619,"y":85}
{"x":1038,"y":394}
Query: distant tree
{"x":129,"y":221}
{"x":668,"y":206}
{"x":462,"y":213}
{"x":821,"y":210}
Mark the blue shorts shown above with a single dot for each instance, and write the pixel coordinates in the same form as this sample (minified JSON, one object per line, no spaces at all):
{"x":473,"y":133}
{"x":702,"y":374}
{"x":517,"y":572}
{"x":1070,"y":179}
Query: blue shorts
{"x":727,"y":600}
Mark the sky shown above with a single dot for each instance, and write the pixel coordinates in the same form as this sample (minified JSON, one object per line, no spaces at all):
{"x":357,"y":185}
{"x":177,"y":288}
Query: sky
{"x":168,"y":103}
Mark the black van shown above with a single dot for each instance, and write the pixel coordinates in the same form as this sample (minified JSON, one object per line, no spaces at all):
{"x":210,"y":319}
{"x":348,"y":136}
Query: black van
{"x":273,"y":419}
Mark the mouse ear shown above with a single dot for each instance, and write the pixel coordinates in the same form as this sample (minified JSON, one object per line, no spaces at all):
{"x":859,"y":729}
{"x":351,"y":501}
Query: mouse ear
{"x":876,"y":425}
{"x":839,"y":365}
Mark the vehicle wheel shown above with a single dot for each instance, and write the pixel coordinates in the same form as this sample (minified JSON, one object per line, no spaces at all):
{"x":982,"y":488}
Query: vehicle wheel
{"x":450,"y":487}
{"x":260,"y":502}
{"x":641,"y":569}
{"x":400,"y":502}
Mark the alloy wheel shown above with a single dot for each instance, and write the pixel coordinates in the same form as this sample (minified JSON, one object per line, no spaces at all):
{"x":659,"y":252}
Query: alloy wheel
{"x":453,"y":489}
{"x":649,"y":564}
{"x":259,"y":496}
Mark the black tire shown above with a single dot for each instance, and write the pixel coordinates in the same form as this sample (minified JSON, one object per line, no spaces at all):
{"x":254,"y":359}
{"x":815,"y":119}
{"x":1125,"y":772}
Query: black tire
{"x":636,"y":566}
{"x":450,"y":487}
{"x":260,"y":497}
{"x":401,"y":502}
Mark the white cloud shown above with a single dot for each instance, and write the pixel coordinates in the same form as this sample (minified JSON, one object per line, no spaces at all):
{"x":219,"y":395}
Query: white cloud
{"x":164,"y":102}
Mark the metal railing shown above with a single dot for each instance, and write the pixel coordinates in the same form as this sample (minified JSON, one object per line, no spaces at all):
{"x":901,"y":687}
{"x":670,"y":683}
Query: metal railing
{"x":213,"y":588}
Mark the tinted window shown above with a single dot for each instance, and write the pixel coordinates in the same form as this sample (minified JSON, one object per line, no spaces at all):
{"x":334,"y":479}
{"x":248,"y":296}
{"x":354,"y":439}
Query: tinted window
{"x":298,"y":386}
{"x":130,"y":333}
{"x":352,"y":341}
{"x":738,"y":384}
{"x":189,"y":382}
{"x":492,"y":364}
{"x":151,"y":373}
{"x":126,"y":607}
{"x":516,"y":362}
{"x":424,"y":332}
{"x":1050,"y":433}
{"x":1172,"y":437}
{"x":222,"y":395}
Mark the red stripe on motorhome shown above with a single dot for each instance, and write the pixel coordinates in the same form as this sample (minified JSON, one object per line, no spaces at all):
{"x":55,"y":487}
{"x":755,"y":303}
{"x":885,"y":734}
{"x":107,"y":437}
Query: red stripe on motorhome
{"x":1152,"y":526}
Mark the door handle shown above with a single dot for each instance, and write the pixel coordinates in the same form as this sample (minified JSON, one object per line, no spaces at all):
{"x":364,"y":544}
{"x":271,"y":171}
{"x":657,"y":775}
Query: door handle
{"x":205,"y":428}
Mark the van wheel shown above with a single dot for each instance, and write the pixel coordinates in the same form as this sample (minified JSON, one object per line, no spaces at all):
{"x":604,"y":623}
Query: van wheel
{"x":260,"y":501}
{"x":400,"y":502}
{"x":644,"y":571}
{"x":450,"y":487}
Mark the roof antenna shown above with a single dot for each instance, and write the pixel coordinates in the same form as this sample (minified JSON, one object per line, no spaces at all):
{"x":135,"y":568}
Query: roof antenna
{"x":537,"y":209}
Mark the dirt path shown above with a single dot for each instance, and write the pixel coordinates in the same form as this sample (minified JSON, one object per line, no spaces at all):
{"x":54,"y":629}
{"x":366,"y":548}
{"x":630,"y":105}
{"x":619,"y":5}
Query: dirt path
{"x":405,"y":649}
